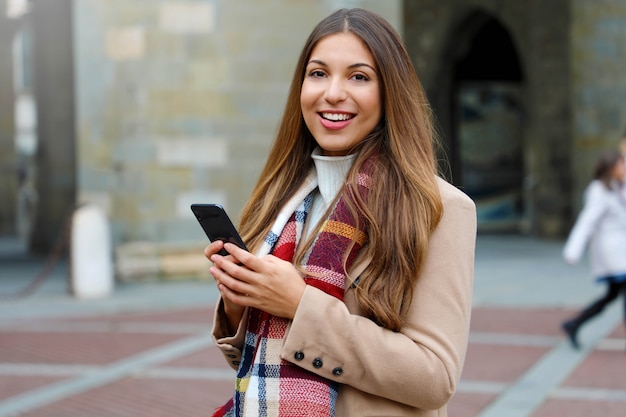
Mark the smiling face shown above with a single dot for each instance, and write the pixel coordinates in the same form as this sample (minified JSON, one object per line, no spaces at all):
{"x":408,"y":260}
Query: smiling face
{"x":340,"y":96}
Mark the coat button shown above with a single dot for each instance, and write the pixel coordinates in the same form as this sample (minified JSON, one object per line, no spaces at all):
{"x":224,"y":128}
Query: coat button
{"x":299,"y":355}
{"x":317,"y":363}
{"x":337,"y":371}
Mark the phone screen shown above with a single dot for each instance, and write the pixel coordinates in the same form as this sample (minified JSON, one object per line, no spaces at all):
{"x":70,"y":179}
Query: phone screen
{"x":217,"y":225}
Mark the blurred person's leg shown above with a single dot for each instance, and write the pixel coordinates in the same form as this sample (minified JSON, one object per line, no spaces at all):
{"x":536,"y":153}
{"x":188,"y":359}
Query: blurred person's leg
{"x":572,"y":326}
{"x":624,"y":300}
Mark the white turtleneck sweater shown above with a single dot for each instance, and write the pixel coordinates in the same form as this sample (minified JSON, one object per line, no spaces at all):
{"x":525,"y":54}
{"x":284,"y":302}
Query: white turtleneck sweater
{"x":331,"y":176}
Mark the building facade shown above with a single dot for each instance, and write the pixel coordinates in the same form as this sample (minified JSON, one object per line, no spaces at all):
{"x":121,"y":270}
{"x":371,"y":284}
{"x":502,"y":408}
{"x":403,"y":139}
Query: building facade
{"x":143,"y":107}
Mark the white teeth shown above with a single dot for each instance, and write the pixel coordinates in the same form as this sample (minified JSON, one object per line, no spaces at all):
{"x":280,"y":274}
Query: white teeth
{"x":336,"y":117}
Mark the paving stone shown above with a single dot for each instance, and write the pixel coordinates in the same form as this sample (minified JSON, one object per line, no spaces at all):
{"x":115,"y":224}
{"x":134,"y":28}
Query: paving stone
{"x":134,"y":397}
{"x":206,"y":358}
{"x":196,"y":315}
{"x":601,"y":369}
{"x":577,"y":408}
{"x":468,"y":404}
{"x":619,"y":332}
{"x":11,"y":385}
{"x":499,"y":363}
{"x":544,"y":321}
{"x":76,"y":348}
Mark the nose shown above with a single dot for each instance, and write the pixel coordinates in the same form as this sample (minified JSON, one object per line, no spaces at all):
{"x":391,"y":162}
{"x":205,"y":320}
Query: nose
{"x":335,"y":91}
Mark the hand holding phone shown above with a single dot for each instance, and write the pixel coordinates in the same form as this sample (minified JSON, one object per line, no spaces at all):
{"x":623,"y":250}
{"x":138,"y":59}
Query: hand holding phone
{"x":217,"y":225}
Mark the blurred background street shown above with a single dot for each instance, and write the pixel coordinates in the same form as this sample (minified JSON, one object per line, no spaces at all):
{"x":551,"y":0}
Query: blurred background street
{"x":146,"y":350}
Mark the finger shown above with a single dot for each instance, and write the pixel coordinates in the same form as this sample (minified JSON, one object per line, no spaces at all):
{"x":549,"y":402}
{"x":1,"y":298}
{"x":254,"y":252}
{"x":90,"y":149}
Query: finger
{"x":213,"y":248}
{"x":216,"y":251}
{"x":229,"y":264}
{"x":243,"y":256}
{"x":274,"y":260}
{"x":230,"y":282}
{"x":234,"y":296}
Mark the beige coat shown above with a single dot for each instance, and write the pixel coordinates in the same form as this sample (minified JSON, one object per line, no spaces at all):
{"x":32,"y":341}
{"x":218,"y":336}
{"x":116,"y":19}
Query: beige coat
{"x":413,"y":372}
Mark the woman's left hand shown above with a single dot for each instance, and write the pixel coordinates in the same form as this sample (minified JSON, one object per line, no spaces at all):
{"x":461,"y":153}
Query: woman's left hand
{"x":268,"y":283}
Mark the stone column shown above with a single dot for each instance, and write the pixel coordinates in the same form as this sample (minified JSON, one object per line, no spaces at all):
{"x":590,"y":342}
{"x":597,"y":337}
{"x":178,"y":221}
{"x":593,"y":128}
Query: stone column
{"x":8,"y":157}
{"x":54,"y":95}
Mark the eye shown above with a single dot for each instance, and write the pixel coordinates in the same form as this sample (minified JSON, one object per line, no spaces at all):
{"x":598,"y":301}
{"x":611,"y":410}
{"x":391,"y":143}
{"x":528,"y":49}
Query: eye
{"x":360,"y":77}
{"x":317,"y":74}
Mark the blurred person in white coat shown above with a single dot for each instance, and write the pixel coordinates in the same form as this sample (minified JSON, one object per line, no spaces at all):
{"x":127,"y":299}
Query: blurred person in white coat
{"x":601,"y":225}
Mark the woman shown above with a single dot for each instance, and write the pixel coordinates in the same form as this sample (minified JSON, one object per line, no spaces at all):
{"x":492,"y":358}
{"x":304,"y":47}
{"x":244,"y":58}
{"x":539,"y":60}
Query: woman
{"x":357,"y":300}
{"x":602,"y":224}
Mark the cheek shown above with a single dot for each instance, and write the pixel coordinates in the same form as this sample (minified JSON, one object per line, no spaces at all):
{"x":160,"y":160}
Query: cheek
{"x":306,"y":100}
{"x":306,"y":107}
{"x":308,"y":91}
{"x":374,"y":104}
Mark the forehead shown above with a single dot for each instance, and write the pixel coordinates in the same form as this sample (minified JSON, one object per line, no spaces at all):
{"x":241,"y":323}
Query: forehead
{"x":344,"y":46}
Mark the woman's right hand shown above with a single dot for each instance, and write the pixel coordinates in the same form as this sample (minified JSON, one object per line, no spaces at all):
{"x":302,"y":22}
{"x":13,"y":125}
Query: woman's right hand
{"x":234,"y":312}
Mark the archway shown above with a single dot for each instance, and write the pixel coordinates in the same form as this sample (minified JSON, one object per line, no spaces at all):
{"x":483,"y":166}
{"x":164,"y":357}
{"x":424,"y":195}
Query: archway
{"x":486,"y":114}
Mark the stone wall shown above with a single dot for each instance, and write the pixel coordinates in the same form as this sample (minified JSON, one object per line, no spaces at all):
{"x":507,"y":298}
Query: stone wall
{"x":598,"y":84}
{"x":177,"y":103}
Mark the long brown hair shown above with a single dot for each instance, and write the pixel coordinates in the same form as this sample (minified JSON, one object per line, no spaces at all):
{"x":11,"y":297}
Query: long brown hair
{"x":404,"y":205}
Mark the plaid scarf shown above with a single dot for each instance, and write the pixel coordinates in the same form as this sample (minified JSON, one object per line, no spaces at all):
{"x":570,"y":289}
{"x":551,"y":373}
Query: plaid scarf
{"x":266,"y":385}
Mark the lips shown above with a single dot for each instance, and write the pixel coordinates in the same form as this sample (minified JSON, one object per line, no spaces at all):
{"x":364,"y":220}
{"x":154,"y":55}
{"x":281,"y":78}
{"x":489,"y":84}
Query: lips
{"x":336,"y":117}
{"x":334,"y":120}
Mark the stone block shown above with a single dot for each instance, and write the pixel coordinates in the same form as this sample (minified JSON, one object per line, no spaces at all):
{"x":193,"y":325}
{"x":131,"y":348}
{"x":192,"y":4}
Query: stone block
{"x":187,"y":17}
{"x":136,"y":260}
{"x":127,"y":43}
{"x":184,"y":265}
{"x":192,"y":152}
{"x":161,"y":260}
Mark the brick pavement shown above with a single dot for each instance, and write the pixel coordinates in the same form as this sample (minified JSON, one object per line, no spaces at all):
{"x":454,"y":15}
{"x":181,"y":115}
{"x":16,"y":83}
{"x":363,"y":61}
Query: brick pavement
{"x":126,"y":365}
{"x":61,"y":367}
{"x":154,"y":358}
{"x":506,"y":343}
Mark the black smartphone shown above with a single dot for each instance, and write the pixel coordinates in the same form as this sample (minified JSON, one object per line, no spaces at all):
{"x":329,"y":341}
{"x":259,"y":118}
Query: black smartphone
{"x":217,"y":225}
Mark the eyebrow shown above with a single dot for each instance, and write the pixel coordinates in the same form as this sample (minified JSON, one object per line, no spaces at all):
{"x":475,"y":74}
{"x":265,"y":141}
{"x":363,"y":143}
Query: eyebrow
{"x":355,"y":65}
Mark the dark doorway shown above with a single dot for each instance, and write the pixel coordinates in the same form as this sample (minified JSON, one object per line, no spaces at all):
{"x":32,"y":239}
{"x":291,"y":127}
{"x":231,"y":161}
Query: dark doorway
{"x":486,"y":115}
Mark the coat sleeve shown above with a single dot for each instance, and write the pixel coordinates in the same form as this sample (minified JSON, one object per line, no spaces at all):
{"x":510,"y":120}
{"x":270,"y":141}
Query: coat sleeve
{"x":231,"y":346}
{"x":420,"y":365}
{"x":593,"y":209}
